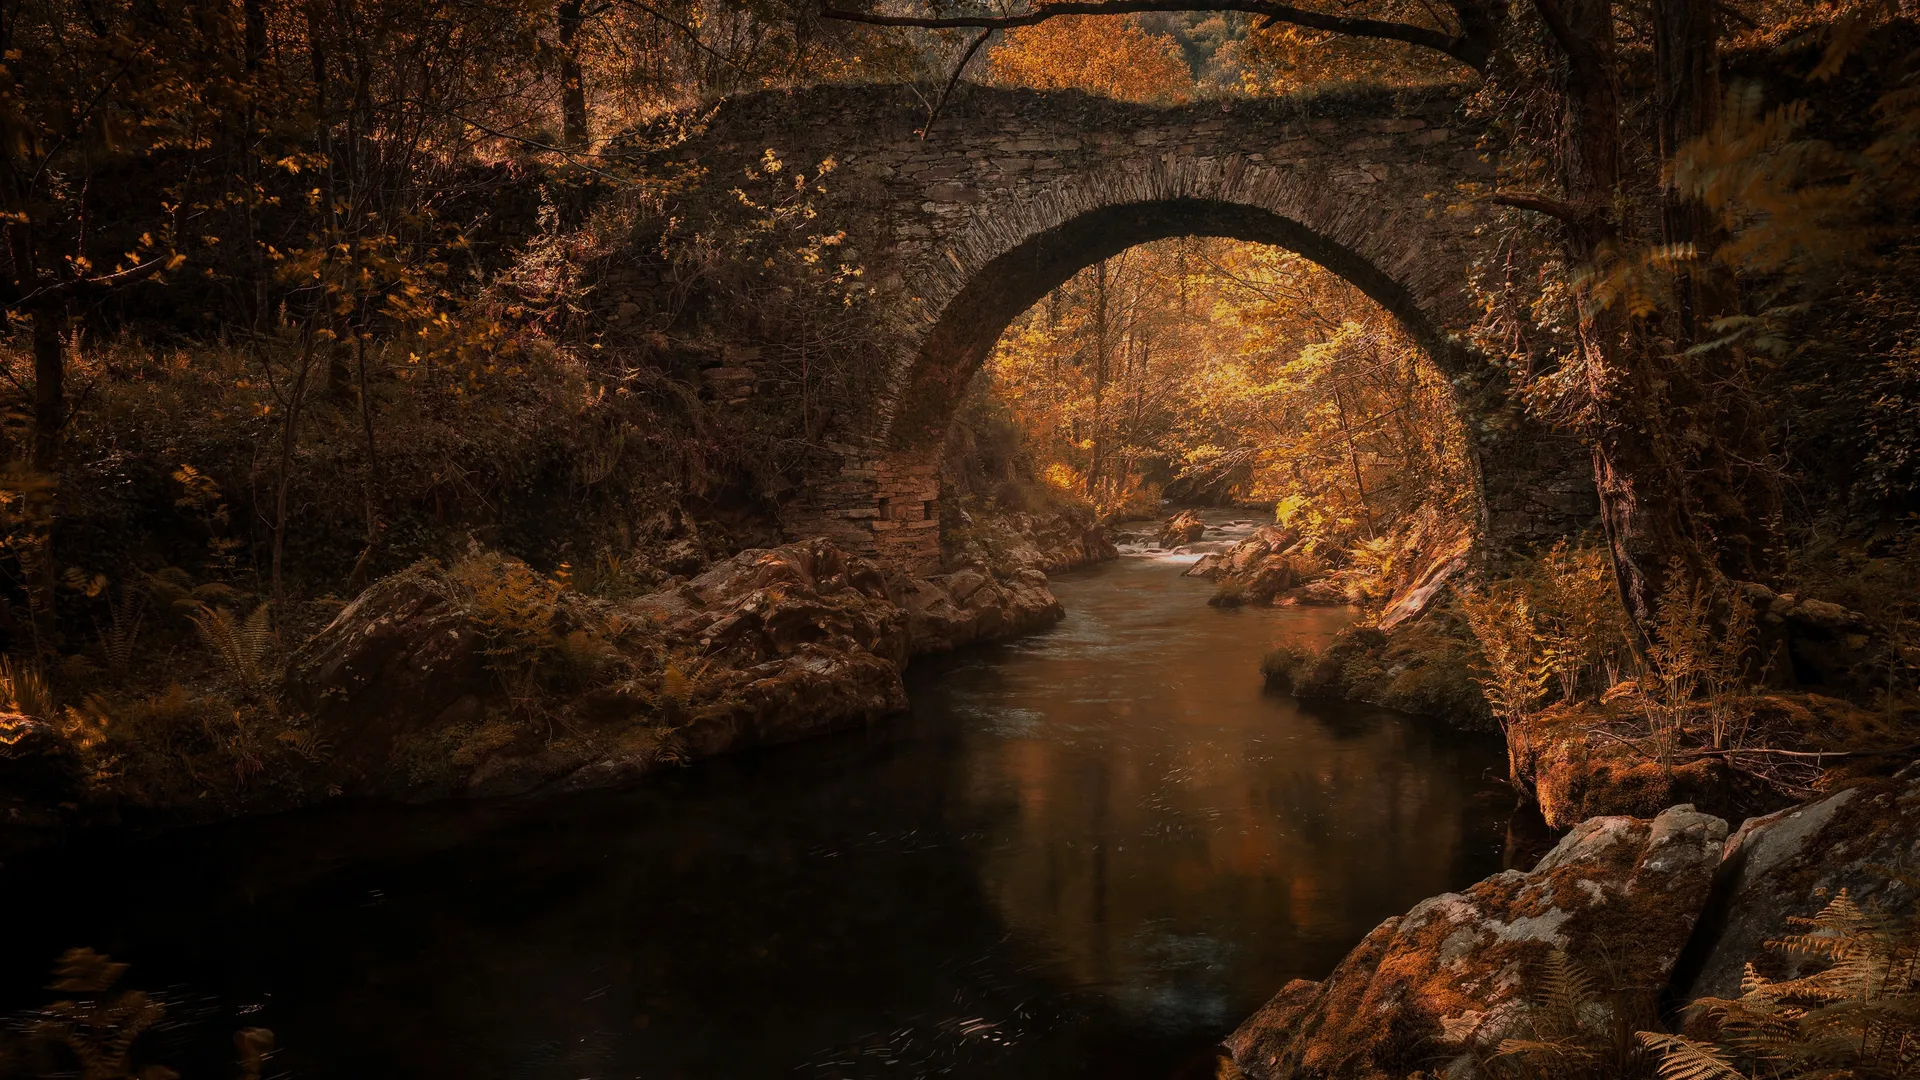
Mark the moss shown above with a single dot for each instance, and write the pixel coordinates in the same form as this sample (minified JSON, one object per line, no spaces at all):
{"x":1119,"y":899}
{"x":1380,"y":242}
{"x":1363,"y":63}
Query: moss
{"x":1420,"y":668}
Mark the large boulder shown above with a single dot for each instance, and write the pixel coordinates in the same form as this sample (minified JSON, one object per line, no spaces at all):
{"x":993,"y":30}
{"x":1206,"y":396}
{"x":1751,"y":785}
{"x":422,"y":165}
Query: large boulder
{"x":402,"y":656}
{"x":971,"y":605}
{"x":1182,"y":528}
{"x":1209,"y":566}
{"x":1438,"y":988}
{"x":1788,"y":864}
{"x":1270,"y":562}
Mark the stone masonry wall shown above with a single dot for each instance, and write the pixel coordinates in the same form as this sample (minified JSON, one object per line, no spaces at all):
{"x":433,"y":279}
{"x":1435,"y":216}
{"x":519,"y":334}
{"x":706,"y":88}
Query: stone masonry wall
{"x":1015,"y":190}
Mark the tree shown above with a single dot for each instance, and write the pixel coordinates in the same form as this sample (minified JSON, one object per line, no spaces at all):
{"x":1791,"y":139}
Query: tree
{"x":1113,"y":57}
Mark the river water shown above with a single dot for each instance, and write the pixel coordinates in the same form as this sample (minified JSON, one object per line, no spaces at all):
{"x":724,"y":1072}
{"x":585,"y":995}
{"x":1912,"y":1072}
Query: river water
{"x":1087,"y":853}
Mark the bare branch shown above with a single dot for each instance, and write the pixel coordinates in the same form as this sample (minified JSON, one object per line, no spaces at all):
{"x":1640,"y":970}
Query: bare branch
{"x":689,"y":32}
{"x":933,"y":114}
{"x":1540,"y":204}
{"x":59,"y":292}
{"x":1470,"y":50}
{"x":573,"y":155}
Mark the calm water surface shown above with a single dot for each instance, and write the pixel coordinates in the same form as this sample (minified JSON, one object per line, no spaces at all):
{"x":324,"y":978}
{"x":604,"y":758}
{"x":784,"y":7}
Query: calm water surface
{"x":1085,"y":854}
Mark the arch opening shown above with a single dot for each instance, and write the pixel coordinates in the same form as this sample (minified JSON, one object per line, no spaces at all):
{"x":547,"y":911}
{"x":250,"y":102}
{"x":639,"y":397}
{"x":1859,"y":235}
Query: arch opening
{"x":958,"y":341}
{"x":964,"y":333}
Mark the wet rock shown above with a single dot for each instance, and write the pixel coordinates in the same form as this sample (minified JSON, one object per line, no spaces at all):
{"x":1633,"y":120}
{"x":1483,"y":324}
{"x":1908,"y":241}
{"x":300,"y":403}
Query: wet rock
{"x":970,"y":605}
{"x":814,"y":689}
{"x":394,"y":660}
{"x":1210,"y":566}
{"x":1266,"y":564}
{"x":1422,"y":667}
{"x":1182,"y":528}
{"x":1320,"y":592}
{"x":1436,"y":988}
{"x":1008,"y":541}
{"x":1426,"y":586}
{"x":1433,"y":551}
{"x":1788,"y":864}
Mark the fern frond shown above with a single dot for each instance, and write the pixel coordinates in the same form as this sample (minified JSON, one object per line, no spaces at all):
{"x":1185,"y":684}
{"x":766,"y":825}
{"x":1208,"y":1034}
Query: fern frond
{"x":241,"y":646}
{"x":1568,"y":1050}
{"x":25,"y":690}
{"x":1567,"y":988}
{"x":122,"y":631}
{"x":1682,"y":1058}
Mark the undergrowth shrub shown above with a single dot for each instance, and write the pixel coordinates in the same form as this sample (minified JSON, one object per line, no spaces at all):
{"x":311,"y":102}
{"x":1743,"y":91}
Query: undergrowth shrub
{"x":1577,"y":1026}
{"x":23,"y":689}
{"x":1856,"y":1014}
{"x":1285,"y":666}
{"x":1230,"y":593}
{"x":243,"y":646}
{"x":1514,"y":670}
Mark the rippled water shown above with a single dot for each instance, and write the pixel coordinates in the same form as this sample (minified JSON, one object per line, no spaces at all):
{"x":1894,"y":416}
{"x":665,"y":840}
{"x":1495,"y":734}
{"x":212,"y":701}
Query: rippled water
{"x":1085,"y":854}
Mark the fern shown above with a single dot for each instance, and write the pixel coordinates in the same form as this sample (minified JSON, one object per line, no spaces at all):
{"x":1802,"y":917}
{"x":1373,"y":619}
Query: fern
{"x":122,"y":632}
{"x":241,"y":646}
{"x":1682,"y":1058}
{"x":1514,"y":670}
{"x":1856,"y":1016}
{"x":1571,"y":1030}
{"x":25,"y":690}
{"x":1567,"y":989}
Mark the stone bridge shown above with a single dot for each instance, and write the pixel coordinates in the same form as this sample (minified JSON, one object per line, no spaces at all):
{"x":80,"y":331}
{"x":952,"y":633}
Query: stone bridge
{"x":1014,"y":191}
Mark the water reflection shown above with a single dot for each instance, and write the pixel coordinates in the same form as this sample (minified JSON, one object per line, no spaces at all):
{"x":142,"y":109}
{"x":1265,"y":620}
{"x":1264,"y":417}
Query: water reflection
{"x":1085,"y":854}
{"x":1180,"y":841}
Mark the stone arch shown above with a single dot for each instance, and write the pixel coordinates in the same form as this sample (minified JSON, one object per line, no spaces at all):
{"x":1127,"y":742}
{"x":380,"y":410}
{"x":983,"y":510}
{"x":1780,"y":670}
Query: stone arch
{"x":961,"y":228}
{"x":1011,"y":256}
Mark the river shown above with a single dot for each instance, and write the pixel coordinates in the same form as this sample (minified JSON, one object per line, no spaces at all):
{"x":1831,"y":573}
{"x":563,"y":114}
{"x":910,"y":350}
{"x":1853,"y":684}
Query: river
{"x":1088,"y":853}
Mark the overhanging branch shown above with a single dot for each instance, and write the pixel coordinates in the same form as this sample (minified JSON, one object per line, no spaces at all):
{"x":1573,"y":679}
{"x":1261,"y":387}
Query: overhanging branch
{"x":1468,"y":49}
{"x":59,"y":292}
{"x":1540,"y":204}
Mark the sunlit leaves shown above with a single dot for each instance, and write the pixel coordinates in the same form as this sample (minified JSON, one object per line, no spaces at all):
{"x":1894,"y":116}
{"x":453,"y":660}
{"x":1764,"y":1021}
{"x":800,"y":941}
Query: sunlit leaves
{"x":1109,"y":56}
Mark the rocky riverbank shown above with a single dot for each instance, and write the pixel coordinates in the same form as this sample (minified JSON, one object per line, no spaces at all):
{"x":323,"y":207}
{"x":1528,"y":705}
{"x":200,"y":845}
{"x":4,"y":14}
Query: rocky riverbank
{"x":1618,"y":930}
{"x":487,"y":678}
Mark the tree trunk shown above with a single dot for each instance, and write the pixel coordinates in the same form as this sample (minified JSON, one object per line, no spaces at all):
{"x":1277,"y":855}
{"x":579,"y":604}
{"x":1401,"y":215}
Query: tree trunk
{"x":1099,"y":377}
{"x":1353,"y":459}
{"x":1687,"y":82}
{"x":370,"y":481}
{"x":1639,"y":510}
{"x":573,"y":91}
{"x":1739,"y":494}
{"x":289,"y":441}
{"x":49,"y":384}
{"x":49,"y":418}
{"x":255,"y":16}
